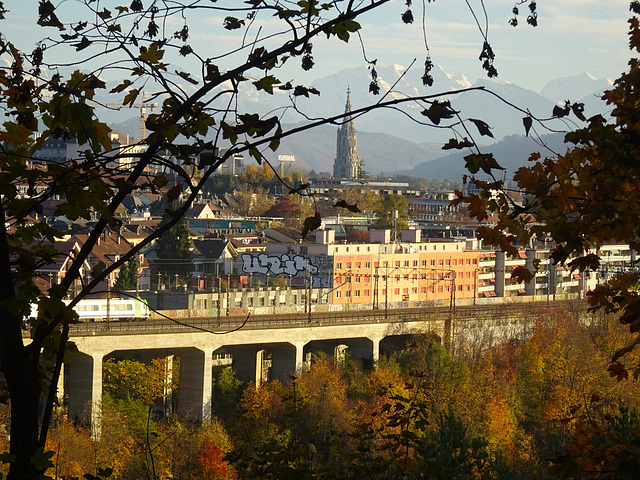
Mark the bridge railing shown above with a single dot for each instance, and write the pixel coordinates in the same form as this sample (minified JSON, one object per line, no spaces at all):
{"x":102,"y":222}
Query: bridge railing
{"x":225,"y":324}
{"x":256,"y":322}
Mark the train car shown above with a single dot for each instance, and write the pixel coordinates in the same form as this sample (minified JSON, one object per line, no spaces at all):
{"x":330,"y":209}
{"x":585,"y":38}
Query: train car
{"x":99,"y":309}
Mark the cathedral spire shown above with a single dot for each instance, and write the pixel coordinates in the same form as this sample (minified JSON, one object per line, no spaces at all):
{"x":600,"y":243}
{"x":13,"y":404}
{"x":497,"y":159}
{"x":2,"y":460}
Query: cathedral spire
{"x":347,"y":107}
{"x":347,"y":163}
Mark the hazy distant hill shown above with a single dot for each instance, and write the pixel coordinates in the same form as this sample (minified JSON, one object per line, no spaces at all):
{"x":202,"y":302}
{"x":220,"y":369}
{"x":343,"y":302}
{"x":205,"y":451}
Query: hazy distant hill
{"x":388,"y":141}
{"x":511,"y":153}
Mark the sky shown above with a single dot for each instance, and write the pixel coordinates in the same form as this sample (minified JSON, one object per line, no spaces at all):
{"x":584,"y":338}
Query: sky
{"x":572,"y":36}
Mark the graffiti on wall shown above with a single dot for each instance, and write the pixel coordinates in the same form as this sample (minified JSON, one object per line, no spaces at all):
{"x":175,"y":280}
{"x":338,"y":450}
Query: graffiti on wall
{"x":277,"y":264}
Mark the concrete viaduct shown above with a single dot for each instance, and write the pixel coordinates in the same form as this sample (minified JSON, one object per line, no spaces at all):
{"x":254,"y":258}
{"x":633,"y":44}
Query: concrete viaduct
{"x":279,"y":344}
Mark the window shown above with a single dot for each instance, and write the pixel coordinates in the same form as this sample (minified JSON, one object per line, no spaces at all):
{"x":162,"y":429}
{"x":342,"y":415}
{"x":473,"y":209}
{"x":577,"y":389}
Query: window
{"x":446,"y":289}
{"x":406,"y":263}
{"x":396,"y":291}
{"x":415,"y":263}
{"x":423,"y":263}
{"x":447,"y":262}
{"x":357,"y":293}
{"x":347,"y":294}
{"x":455,"y":261}
{"x":366,"y":293}
{"x":358,"y":264}
{"x":405,"y":290}
{"x":440,"y":289}
{"x":414,"y":290}
{"x":338,"y":265}
{"x":348,"y":265}
{"x":368,"y":265}
{"x":432,"y":263}
{"x":440,"y":263}
{"x":459,"y":288}
{"x":347,"y":280}
{"x":338,"y":294}
{"x":357,"y":279}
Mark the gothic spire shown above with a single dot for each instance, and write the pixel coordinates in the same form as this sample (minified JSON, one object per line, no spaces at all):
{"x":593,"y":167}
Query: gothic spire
{"x":347,"y":164}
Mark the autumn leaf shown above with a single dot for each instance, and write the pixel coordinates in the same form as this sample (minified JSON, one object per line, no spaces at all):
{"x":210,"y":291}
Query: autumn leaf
{"x":618,"y":370}
{"x":311,"y":223}
{"x":483,"y":127}
{"x":481,"y":161}
{"x":352,"y":208}
{"x":521,"y":274}
{"x":578,"y":111}
{"x":457,"y":144}
{"x":527,"y":122}
{"x":266,"y":83}
{"x":82,"y":44}
{"x":439,"y":111}
{"x":560,"y":112}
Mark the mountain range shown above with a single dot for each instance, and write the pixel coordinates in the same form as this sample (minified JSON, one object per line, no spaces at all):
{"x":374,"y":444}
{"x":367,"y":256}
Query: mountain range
{"x":390,"y":141}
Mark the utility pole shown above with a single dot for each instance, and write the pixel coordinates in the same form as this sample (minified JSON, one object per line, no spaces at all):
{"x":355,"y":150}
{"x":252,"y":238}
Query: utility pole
{"x":228,"y":284}
{"x":375,"y":290}
{"x":307,"y":284}
{"x":386,"y":292}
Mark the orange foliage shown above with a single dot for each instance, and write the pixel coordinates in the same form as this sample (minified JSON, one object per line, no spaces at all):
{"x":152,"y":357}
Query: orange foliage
{"x":214,"y":467}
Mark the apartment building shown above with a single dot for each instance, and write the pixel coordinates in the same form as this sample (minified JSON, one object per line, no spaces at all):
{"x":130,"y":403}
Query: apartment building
{"x":379,"y":271}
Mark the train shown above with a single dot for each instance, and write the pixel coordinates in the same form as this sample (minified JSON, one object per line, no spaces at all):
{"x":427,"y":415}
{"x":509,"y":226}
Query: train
{"x":101,"y":309}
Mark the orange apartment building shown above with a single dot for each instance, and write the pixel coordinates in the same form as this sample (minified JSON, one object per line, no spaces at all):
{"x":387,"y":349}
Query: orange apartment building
{"x":382,"y":272}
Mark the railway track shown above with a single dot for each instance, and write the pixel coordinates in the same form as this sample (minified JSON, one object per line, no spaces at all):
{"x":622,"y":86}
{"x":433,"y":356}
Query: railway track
{"x":255,"y":322}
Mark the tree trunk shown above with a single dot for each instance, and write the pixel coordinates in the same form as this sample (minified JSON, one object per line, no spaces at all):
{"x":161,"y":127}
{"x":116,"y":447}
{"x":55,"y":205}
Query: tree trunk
{"x":24,"y":387}
{"x":20,"y":368}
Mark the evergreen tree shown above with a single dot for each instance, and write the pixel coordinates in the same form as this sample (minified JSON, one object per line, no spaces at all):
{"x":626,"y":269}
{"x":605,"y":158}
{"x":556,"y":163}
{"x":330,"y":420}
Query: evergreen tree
{"x":173,"y":250}
{"x":128,"y":276}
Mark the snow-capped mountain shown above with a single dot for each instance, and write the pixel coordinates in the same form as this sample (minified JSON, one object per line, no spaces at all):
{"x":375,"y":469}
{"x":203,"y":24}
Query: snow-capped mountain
{"x":502,"y":105}
{"x":575,"y":87}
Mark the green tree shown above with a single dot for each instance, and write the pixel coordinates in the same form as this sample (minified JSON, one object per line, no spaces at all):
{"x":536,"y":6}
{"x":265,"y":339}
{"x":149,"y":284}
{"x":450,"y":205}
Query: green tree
{"x":449,"y":452}
{"x":130,"y":380}
{"x":120,"y":53}
{"x":128,"y":276}
{"x":392,"y":213}
{"x":173,"y":250}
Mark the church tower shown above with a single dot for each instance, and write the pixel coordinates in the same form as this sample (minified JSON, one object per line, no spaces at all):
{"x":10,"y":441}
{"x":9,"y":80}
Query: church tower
{"x":347,"y":163}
